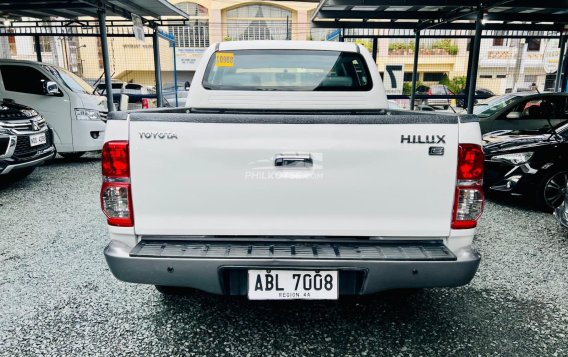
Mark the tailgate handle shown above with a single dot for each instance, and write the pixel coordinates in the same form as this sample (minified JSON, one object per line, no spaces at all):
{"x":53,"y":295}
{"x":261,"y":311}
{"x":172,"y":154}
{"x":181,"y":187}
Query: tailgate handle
{"x":293,"y":160}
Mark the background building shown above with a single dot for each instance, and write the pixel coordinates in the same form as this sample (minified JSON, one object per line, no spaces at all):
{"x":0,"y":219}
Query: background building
{"x":506,"y":64}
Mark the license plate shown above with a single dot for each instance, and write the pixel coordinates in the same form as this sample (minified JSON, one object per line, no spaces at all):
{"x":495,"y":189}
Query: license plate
{"x":292,"y":284}
{"x":38,"y":139}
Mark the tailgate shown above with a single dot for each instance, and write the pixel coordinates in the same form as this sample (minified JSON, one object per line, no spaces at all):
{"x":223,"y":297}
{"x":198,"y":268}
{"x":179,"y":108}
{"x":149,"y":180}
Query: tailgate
{"x":254,"y":175}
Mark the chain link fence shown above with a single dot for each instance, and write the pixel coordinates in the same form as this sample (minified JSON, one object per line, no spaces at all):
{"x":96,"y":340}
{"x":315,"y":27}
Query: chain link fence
{"x":510,"y":61}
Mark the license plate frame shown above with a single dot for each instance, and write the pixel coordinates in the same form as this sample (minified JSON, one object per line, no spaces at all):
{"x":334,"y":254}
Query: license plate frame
{"x":38,"y":139}
{"x":285,"y":284}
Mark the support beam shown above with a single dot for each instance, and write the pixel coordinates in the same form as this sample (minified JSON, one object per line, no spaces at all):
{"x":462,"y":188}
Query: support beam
{"x":467,"y":78}
{"x":474,"y":63}
{"x":37,"y":46}
{"x":106,"y":60}
{"x":561,"y":59}
{"x":157,"y":67}
{"x":175,"y":73}
{"x":415,"y":68}
{"x":375,"y":49}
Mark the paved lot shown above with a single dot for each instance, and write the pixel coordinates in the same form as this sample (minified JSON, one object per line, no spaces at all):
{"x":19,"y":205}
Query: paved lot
{"x":57,"y":296}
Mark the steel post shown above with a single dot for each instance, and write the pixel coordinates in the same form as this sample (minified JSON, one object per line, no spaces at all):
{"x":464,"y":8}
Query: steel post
{"x":561,"y":58}
{"x":37,"y":46}
{"x":106,"y":61}
{"x":157,"y":67}
{"x":474,"y":63}
{"x":415,"y":68}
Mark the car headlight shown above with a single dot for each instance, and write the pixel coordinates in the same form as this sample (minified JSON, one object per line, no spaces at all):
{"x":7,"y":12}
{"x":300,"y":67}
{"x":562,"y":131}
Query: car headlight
{"x":30,"y":113}
{"x":87,"y":114}
{"x":514,"y":159}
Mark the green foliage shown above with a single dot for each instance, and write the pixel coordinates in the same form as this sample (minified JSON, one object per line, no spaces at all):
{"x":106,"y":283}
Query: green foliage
{"x":457,"y":84}
{"x":366,"y":43}
{"x":227,"y":38}
{"x":447,"y":45}
{"x":394,"y":46}
{"x":407,"y":87}
{"x":445,"y":80}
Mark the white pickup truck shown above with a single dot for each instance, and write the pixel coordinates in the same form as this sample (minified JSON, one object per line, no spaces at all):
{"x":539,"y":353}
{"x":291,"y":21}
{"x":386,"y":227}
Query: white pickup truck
{"x":286,"y":177}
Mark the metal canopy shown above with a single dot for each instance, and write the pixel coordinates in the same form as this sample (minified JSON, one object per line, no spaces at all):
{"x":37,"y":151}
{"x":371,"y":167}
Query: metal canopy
{"x":71,"y":9}
{"x":150,"y":11}
{"x":443,"y":14}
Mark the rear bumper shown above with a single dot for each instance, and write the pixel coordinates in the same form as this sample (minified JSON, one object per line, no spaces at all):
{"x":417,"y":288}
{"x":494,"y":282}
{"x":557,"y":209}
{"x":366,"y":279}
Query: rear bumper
{"x":215,"y":269}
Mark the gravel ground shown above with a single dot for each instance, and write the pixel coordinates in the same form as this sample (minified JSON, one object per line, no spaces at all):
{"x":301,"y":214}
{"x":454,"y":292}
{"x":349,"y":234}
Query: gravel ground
{"x":59,"y":298}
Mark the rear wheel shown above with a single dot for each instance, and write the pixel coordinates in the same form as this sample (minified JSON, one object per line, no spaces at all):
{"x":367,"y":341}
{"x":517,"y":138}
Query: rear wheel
{"x":71,"y":155}
{"x":551,"y":190}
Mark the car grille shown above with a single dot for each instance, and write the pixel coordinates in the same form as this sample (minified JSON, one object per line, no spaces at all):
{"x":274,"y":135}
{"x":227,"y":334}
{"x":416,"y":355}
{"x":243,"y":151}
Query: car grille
{"x":23,"y":148}
{"x":25,"y":125}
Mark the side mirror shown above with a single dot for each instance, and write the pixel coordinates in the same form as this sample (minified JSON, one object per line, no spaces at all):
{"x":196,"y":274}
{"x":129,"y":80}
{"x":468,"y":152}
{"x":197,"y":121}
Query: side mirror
{"x":50,"y":88}
{"x":513,"y":115}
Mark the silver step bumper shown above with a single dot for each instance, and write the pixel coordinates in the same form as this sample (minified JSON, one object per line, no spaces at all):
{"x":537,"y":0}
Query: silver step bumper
{"x":218,"y":267}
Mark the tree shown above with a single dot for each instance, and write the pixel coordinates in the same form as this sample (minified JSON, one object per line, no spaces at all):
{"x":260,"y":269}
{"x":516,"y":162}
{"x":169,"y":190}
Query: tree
{"x":455,"y":85}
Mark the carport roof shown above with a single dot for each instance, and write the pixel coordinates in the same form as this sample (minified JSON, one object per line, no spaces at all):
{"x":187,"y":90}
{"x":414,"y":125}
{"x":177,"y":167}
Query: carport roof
{"x":71,"y":9}
{"x":443,"y":14}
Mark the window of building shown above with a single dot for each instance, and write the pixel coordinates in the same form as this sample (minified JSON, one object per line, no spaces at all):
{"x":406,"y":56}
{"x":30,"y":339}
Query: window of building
{"x":530,"y":78}
{"x":433,"y":76}
{"x":196,"y":31}
{"x":22,"y":79}
{"x":533,"y":44}
{"x":407,"y":76}
{"x":486,"y":76}
{"x":498,"y":42}
{"x":259,"y":22}
{"x":44,"y":43}
{"x":501,"y":76}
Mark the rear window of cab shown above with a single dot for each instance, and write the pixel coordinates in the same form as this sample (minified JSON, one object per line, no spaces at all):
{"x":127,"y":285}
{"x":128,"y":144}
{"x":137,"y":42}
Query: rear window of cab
{"x":287,"y":70}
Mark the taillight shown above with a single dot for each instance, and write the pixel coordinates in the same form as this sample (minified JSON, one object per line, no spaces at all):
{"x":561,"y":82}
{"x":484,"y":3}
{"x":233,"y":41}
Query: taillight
{"x":430,"y":91}
{"x":116,"y":196}
{"x":144,"y":103}
{"x":469,"y":199}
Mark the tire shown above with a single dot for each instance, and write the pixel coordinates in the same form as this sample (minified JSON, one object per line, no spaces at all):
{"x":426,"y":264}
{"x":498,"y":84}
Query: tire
{"x":551,"y":190}
{"x":71,"y":155}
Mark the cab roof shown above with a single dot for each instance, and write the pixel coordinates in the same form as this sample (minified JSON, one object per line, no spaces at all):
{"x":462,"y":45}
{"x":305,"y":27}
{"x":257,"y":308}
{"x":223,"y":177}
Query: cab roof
{"x":289,"y":45}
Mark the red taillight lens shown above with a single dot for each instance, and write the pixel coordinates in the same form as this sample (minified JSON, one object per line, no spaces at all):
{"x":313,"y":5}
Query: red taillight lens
{"x":144,"y":103}
{"x":430,"y":91}
{"x":115,"y":159}
{"x":116,"y":196}
{"x":470,"y":162}
{"x":469,"y":198}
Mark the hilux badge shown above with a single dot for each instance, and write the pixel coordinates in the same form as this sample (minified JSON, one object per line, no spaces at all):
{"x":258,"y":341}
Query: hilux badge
{"x":423,"y":139}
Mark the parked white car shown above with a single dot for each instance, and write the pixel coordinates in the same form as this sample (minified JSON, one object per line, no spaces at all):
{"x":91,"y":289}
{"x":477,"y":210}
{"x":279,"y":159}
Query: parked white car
{"x":76,"y":116}
{"x":286,"y":177}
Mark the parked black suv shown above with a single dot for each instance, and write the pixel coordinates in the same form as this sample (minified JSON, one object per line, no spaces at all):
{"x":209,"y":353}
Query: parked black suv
{"x":25,"y":140}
